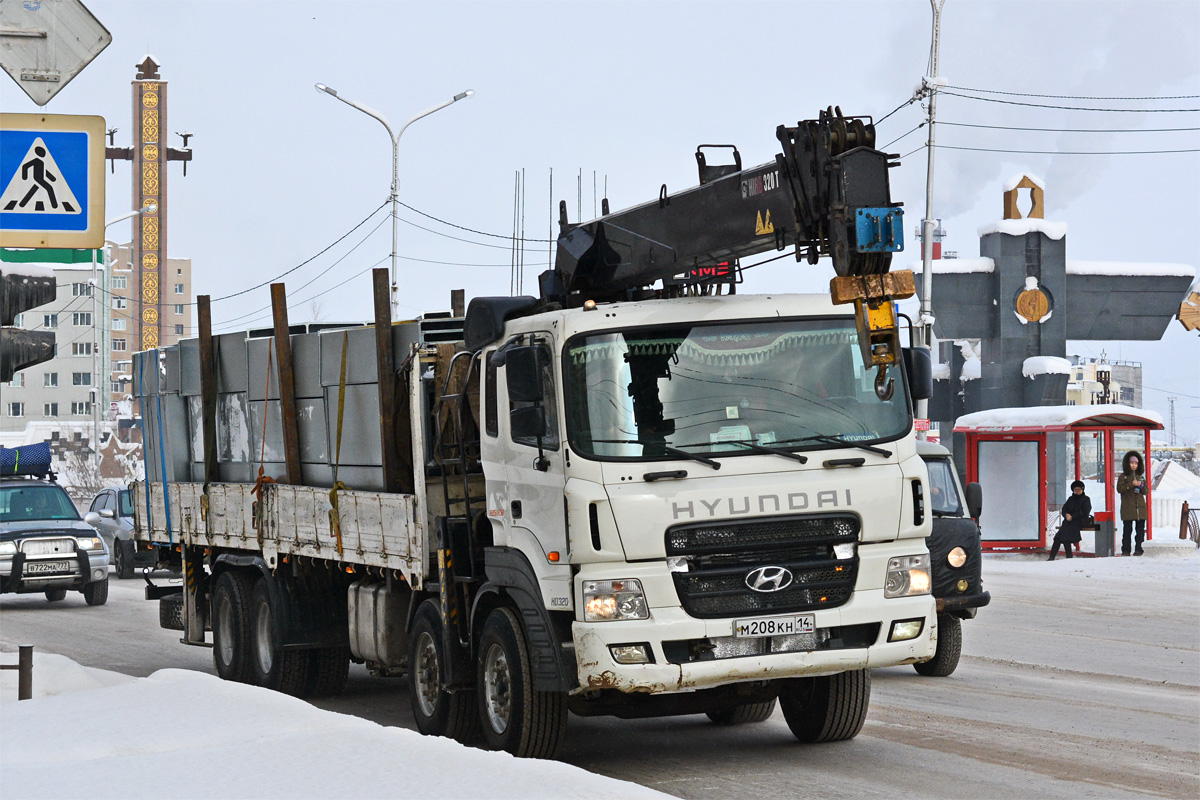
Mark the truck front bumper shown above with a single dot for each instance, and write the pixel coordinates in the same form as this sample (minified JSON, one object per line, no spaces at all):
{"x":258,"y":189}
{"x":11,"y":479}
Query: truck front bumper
{"x":688,"y":653}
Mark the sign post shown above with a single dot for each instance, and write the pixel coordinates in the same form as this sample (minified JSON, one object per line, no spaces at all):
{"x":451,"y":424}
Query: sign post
{"x":51,"y":181}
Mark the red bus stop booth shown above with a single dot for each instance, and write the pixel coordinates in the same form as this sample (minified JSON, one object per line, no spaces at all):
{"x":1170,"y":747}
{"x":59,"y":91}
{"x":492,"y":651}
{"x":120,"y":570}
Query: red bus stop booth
{"x":1026,"y":458}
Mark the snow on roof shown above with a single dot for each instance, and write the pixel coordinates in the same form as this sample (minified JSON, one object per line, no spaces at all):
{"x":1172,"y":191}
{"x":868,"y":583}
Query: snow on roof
{"x":1012,"y":182}
{"x":1020,"y":227}
{"x":1127,"y":268}
{"x":1056,"y":418}
{"x":1045,"y":365}
{"x":971,"y":370}
{"x":952,"y":265}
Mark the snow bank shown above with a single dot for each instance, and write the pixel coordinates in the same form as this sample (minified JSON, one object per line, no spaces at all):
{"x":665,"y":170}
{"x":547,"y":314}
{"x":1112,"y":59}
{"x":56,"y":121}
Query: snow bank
{"x":1020,"y":227}
{"x":97,"y":734}
{"x":1045,"y":365}
{"x":1127,"y":268}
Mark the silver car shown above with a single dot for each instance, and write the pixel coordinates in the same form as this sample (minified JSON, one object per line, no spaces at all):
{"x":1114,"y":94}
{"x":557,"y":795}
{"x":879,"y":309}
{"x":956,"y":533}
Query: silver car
{"x":45,"y":546}
{"x":111,"y":514}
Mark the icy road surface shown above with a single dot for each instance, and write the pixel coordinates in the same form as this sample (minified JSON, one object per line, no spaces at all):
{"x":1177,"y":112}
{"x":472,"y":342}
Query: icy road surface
{"x":1082,"y":679}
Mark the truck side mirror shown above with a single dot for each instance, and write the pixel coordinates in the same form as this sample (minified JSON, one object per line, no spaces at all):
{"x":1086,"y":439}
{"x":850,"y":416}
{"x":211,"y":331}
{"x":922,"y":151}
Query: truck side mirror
{"x":523,"y":374}
{"x":527,"y":422}
{"x":974,"y":500}
{"x":918,"y":365}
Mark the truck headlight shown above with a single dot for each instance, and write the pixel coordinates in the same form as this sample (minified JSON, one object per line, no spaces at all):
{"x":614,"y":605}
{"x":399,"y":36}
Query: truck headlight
{"x":614,"y":600}
{"x":956,"y":557}
{"x":90,"y":543}
{"x":8,"y":548}
{"x":907,"y":576}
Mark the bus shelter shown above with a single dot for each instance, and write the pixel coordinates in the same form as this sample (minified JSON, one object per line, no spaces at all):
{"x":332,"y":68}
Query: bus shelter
{"x":1026,"y":459}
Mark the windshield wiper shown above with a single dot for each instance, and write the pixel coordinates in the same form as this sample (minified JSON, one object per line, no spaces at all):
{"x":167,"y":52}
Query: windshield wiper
{"x":760,"y":448}
{"x":820,"y":437}
{"x":666,"y":449}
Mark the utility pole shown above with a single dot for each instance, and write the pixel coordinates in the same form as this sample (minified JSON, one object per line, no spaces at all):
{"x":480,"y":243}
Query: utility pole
{"x":929,"y":85}
{"x":1172,"y":400}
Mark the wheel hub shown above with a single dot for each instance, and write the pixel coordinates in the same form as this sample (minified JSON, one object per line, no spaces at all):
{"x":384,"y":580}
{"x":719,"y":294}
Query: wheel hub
{"x":426,"y":674}
{"x":497,"y":687}
{"x":263,"y":645}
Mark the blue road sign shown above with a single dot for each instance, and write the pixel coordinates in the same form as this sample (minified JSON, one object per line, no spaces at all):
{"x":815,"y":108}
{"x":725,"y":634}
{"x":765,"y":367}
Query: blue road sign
{"x":51,"y":180}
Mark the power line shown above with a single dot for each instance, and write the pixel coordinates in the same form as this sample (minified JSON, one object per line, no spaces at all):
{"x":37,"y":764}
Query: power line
{"x":907,"y":102}
{"x":1071,"y":96}
{"x":1070,"y":152}
{"x":906,"y":155}
{"x":471,"y":230}
{"x":1067,"y":130}
{"x":898,"y":138}
{"x":459,"y":238}
{"x":1075,"y":108}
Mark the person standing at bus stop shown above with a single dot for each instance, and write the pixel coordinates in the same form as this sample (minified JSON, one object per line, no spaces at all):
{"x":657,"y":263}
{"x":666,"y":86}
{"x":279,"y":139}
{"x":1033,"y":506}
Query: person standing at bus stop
{"x":1132,"y":488}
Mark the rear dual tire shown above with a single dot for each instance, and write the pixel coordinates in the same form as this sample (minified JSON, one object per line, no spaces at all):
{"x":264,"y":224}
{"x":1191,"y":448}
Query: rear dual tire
{"x":437,"y":711}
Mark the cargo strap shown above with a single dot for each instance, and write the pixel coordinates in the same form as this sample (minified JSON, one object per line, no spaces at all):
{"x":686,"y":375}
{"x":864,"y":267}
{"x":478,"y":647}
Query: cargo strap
{"x":263,"y":479}
{"x":335,"y":520}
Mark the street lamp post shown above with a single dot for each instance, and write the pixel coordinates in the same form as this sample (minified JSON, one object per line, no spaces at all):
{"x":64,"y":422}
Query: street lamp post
{"x":395,"y":138}
{"x":97,"y":391}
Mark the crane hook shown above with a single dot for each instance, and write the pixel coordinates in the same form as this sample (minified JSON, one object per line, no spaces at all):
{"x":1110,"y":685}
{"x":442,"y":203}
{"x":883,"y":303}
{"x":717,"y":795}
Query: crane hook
{"x":885,"y":387}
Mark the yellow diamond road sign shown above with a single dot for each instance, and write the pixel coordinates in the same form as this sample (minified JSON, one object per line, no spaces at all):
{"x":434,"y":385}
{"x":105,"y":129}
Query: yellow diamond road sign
{"x":51,"y":181}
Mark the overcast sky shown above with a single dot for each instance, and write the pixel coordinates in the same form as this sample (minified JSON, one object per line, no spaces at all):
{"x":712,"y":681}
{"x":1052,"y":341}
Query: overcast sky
{"x":624,"y":92}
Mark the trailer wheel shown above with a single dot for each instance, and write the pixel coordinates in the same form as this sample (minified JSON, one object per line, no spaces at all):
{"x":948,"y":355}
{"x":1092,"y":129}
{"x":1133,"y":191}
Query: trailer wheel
{"x":437,"y":711}
{"x":231,"y":625}
{"x":96,"y":592}
{"x":123,"y":558}
{"x":516,"y":717}
{"x":830,"y":708}
{"x":54,"y":595}
{"x":747,"y":712}
{"x":272,"y":666}
{"x":949,"y":648}
{"x":328,"y":669}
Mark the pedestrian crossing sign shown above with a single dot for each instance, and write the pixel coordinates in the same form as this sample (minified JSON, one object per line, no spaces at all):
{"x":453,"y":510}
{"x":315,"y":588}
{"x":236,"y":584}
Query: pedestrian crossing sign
{"x":51,"y":181}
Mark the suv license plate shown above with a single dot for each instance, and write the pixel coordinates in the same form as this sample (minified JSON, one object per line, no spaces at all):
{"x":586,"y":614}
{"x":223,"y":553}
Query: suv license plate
{"x":43,"y":567}
{"x":773,"y":626}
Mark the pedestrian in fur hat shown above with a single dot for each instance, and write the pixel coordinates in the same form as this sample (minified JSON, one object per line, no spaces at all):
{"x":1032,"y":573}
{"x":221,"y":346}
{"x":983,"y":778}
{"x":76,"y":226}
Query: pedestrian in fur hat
{"x":1132,"y":488}
{"x":1075,"y":512}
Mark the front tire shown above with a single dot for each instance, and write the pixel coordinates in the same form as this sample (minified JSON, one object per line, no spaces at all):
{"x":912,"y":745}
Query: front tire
{"x":516,"y":717}
{"x":96,"y":593}
{"x":271,"y":666}
{"x":54,"y":595}
{"x":949,"y":649}
{"x":437,"y":711}
{"x":830,"y":708}
{"x":747,"y":712}
{"x":231,"y":625}
{"x":123,"y":558}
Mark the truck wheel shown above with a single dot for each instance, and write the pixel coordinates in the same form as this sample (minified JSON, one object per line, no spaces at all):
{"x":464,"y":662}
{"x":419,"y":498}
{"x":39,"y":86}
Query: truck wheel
{"x":516,"y":717}
{"x":231,"y":625}
{"x":96,"y":592}
{"x":270,"y":665}
{"x":54,"y":595}
{"x":949,"y":648}
{"x":437,"y":711}
{"x":328,"y":668}
{"x":747,"y":712}
{"x":831,"y":708}
{"x":123,"y":558}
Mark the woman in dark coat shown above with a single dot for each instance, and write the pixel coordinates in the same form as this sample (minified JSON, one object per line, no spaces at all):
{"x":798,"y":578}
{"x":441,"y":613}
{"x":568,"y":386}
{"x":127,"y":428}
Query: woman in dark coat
{"x":1132,"y":488}
{"x":1074,"y":512}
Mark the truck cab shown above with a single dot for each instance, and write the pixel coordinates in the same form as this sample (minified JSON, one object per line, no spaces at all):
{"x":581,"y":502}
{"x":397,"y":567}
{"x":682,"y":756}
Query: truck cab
{"x":955,"y":555}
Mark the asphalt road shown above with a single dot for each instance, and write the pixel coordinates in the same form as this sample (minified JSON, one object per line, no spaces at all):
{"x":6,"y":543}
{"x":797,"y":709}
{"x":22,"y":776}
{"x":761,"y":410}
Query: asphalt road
{"x":1059,"y":695}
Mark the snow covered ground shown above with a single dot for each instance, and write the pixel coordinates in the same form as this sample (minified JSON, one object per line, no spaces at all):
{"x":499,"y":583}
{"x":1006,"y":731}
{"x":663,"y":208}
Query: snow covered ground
{"x":181,"y":734}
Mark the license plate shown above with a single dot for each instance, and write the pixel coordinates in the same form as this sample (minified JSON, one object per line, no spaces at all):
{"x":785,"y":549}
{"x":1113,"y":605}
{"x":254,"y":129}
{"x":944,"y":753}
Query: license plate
{"x":773,"y":626}
{"x":43,"y":567}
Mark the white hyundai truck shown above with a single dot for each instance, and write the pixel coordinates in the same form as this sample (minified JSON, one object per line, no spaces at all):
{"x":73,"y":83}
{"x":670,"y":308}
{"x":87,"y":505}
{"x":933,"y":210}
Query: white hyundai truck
{"x":615,"y":498}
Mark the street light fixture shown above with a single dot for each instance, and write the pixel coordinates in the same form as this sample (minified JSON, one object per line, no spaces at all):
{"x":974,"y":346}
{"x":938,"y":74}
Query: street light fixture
{"x":395,"y":137}
{"x":96,"y":392}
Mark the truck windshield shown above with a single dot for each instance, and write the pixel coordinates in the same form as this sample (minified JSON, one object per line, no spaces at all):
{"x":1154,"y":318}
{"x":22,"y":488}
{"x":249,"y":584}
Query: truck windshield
{"x":705,"y":388}
{"x":943,"y":490}
{"x":34,"y":503}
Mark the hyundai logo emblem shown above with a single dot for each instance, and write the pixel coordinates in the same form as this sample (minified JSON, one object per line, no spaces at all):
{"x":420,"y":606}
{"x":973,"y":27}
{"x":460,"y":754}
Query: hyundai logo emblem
{"x":769,"y":579}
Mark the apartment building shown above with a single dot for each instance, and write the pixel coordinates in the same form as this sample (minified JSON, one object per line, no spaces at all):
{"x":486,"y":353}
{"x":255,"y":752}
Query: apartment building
{"x":1100,"y":380}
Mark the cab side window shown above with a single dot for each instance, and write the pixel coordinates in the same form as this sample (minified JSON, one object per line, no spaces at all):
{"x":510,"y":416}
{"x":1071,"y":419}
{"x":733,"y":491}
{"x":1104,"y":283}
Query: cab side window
{"x":491,"y":419}
{"x":549,"y":404}
{"x":98,"y":503}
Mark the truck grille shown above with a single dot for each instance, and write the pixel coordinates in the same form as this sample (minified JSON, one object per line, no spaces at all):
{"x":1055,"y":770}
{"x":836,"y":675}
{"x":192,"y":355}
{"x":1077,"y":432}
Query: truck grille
{"x":48,"y":547}
{"x":719,"y":558}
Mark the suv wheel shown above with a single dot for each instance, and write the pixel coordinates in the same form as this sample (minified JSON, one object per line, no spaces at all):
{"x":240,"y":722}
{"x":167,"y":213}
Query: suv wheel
{"x":54,"y":595}
{"x":96,"y":593}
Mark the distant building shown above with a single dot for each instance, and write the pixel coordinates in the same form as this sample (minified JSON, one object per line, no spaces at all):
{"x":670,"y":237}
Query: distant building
{"x":1097,"y":380}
